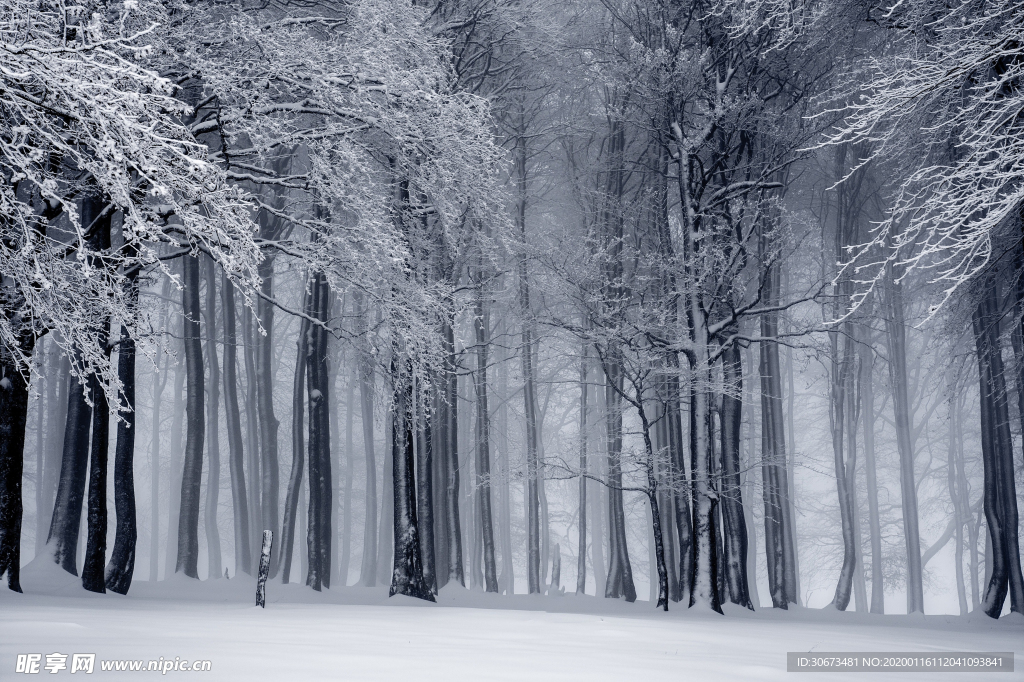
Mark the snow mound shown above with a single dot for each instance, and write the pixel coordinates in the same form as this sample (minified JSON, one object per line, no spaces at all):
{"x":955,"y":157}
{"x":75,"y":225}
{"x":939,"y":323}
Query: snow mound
{"x":43,"y":576}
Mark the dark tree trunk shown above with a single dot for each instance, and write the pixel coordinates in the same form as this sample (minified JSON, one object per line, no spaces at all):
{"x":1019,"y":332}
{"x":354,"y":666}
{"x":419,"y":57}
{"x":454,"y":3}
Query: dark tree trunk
{"x":13,"y":419}
{"x":483,"y":444}
{"x":450,"y":416}
{"x":320,"y":492}
{"x":212,"y":426}
{"x":999,"y":490}
{"x":780,"y":546}
{"x":734,"y":529}
{"x":121,"y":566}
{"x":236,"y":454}
{"x":67,"y":509}
{"x":96,"y":519}
{"x":57,"y":400}
{"x":620,"y":572}
{"x":191,"y":478}
{"x":407,"y":575}
{"x":425,"y":486}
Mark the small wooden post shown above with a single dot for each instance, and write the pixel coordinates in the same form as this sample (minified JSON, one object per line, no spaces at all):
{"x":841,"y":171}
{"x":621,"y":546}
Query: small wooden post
{"x":261,"y":582}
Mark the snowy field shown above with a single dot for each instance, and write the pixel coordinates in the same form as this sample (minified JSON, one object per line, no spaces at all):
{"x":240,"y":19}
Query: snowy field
{"x":360,"y":634}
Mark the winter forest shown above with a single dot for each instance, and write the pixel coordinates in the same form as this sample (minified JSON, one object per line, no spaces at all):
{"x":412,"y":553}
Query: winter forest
{"x":713,"y":307}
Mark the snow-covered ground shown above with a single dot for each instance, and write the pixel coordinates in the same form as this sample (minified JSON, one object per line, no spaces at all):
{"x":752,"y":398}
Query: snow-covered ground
{"x":360,"y":634}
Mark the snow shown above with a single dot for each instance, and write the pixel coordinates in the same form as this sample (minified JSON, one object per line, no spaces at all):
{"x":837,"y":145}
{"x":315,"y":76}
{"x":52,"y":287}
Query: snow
{"x":360,"y":634}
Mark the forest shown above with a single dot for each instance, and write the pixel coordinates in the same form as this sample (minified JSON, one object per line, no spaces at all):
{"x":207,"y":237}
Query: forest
{"x":708,"y":305}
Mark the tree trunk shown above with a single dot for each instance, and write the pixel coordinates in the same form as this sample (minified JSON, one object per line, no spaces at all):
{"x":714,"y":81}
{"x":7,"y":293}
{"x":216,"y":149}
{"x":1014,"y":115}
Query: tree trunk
{"x":212,"y":426}
{"x":57,"y":400}
{"x":154,"y":465}
{"x":385,"y":539}
{"x":191,"y":478}
{"x":407,"y":575}
{"x":867,"y":356}
{"x":268,"y":423}
{"x":13,"y":420}
{"x":506,"y":577}
{"x":252,"y":443}
{"x":581,"y":557}
{"x":780,"y":545}
{"x":620,"y":572}
{"x":896,"y":342}
{"x":43,"y":406}
{"x":292,"y":495}
{"x":96,"y":518}
{"x":450,"y":416}
{"x":481,"y":326}
{"x":346,"y":547}
{"x":67,"y":509}
{"x":954,"y":452}
{"x":734,"y":527}
{"x":121,"y":567}
{"x":368,"y":568}
{"x":841,"y":357}
{"x":174,"y":476}
{"x":425,"y":484}
{"x":236,"y":454}
{"x":320,"y":490}
{"x":999,"y":490}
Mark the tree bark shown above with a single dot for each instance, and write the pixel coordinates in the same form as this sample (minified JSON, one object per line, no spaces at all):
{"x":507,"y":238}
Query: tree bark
{"x":346,"y":512}
{"x":734,"y":527}
{"x":581,"y":555}
{"x":212,"y":426}
{"x":407,"y":575}
{"x":292,"y":495}
{"x":191,"y":478}
{"x":96,"y":518}
{"x":154,"y":465}
{"x":67,"y":509}
{"x":999,"y":490}
{"x":450,"y":417}
{"x":620,"y":573}
{"x":121,"y":566}
{"x":252,"y":434}
{"x":236,"y":454}
{"x":320,"y":489}
{"x":896,"y":342}
{"x":268,"y":423}
{"x":425,"y":484}
{"x":483,"y":442}
{"x":13,"y":420}
{"x":368,"y":568}
{"x":867,"y":356}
